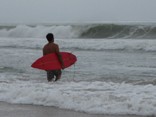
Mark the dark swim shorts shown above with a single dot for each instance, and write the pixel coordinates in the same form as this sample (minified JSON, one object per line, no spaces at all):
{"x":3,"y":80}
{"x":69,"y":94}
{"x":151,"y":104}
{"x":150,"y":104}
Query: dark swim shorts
{"x":52,"y":73}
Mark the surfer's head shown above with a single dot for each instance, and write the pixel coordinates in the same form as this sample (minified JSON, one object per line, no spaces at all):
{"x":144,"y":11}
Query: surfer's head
{"x":50,"y":37}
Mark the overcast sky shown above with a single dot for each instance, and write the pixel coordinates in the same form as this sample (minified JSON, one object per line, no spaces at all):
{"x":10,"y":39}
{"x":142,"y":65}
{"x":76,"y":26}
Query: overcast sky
{"x":78,"y":10}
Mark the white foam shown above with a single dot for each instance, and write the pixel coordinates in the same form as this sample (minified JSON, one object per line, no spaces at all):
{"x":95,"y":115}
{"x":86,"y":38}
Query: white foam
{"x":86,"y":44}
{"x":90,"y":97}
{"x":40,"y":31}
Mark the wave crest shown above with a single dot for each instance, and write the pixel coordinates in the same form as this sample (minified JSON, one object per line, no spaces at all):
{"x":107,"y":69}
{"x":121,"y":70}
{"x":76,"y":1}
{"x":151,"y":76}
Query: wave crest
{"x":111,"y":31}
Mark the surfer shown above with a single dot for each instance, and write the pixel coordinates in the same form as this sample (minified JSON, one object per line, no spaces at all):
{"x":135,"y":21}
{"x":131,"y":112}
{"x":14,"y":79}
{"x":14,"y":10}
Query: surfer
{"x":51,"y":47}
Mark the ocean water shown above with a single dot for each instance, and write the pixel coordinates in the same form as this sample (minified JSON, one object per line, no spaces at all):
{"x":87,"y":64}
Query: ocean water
{"x":115,"y":72}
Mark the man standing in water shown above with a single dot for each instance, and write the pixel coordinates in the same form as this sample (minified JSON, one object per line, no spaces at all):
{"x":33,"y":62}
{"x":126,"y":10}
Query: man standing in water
{"x":51,"y":47}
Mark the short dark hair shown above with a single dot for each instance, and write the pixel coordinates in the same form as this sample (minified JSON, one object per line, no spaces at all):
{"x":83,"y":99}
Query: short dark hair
{"x":50,"y":37}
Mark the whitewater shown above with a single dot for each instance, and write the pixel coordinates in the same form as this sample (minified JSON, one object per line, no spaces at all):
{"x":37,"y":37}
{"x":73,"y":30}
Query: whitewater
{"x":115,"y":72}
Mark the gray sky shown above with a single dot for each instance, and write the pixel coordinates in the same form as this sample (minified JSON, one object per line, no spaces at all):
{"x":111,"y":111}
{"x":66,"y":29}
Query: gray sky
{"x":78,"y":10}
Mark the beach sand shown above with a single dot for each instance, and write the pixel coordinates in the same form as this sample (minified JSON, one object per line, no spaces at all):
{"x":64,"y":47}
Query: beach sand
{"x":21,"y":110}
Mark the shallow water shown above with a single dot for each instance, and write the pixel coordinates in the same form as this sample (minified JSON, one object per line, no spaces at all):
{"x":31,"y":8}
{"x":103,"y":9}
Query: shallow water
{"x":103,"y":81}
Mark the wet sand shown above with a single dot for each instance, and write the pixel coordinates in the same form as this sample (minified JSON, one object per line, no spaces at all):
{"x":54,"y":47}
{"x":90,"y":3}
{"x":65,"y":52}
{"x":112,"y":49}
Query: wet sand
{"x":21,"y":110}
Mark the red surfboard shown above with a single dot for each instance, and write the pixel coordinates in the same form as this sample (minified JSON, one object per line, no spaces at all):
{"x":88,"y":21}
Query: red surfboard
{"x":51,"y":62}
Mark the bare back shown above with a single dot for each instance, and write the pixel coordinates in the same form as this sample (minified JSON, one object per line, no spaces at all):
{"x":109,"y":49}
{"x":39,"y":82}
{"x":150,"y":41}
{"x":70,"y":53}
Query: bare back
{"x":50,"y":48}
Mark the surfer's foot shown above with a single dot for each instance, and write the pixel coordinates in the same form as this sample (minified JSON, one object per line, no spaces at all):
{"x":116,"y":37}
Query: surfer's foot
{"x":49,"y":80}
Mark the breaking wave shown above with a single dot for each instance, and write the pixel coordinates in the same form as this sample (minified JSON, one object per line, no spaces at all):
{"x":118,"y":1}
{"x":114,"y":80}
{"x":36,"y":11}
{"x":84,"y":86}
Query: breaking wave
{"x":109,"y":31}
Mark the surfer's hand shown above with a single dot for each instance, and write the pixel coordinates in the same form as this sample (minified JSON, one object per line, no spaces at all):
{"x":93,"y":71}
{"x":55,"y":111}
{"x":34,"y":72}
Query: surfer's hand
{"x":63,"y":67}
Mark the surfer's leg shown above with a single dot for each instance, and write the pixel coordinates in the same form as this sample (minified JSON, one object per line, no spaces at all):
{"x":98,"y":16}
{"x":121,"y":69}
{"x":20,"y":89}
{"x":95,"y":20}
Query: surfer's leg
{"x":58,"y":77}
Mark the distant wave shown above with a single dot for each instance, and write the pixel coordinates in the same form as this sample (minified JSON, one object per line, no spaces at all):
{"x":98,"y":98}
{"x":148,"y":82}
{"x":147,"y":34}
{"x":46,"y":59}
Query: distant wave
{"x":109,"y":31}
{"x":120,"y":31}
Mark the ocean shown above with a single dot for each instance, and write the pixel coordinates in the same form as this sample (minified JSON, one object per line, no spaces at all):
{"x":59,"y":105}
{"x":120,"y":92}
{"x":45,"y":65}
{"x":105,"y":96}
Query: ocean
{"x":115,"y":72}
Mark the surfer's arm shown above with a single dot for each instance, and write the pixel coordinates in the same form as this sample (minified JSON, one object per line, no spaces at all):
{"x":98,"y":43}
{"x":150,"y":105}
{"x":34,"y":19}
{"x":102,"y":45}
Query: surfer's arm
{"x":59,"y":56}
{"x":44,"y":53}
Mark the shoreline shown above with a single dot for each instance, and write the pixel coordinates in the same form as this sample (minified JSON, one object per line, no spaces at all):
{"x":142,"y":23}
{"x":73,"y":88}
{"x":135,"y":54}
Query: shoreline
{"x":26,"y":110}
